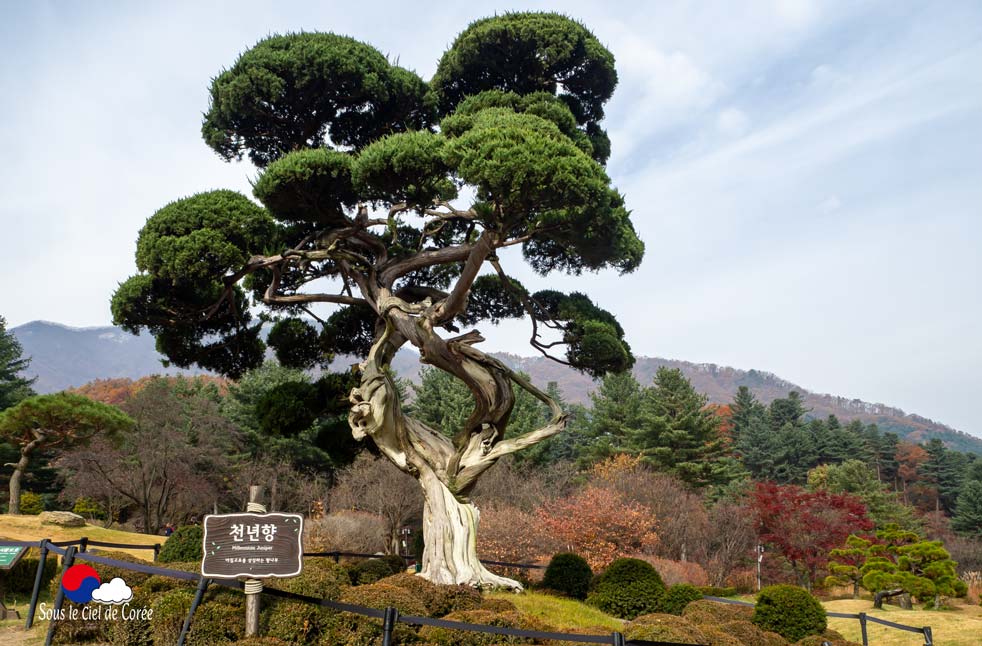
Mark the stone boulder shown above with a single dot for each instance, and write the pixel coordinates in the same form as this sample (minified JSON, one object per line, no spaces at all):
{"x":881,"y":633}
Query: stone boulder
{"x":62,"y":519}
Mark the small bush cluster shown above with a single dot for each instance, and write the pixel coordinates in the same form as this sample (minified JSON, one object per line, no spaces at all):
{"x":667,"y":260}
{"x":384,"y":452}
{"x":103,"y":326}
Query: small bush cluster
{"x":789,"y":611}
{"x":568,"y":574}
{"x":659,"y":627}
{"x":183,"y":545}
{"x":715,"y":613}
{"x":31,"y":504}
{"x":20,"y":578}
{"x":677,"y":597}
{"x":628,"y":588}
{"x":372,"y":570}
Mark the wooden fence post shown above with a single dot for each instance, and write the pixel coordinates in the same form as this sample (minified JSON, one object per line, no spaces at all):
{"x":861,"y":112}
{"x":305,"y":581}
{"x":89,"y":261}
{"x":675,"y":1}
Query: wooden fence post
{"x":253,"y":587}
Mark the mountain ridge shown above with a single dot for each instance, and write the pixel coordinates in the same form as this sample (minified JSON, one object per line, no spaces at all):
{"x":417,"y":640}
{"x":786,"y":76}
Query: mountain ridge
{"x":66,"y":357}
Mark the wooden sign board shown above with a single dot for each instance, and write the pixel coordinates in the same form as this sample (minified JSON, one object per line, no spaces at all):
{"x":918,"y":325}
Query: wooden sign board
{"x":254,"y":546}
{"x":9,"y":555}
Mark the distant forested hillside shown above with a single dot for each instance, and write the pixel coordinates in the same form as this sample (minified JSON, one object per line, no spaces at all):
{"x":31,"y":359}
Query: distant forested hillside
{"x":65,"y":357}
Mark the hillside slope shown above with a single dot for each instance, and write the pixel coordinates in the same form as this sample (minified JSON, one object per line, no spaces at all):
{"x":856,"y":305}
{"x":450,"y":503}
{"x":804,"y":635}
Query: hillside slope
{"x":64,"y":357}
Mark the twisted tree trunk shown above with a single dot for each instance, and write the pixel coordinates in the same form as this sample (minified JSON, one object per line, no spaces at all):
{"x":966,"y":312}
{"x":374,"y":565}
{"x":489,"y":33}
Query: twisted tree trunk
{"x":447,"y":469}
{"x":19,"y":468}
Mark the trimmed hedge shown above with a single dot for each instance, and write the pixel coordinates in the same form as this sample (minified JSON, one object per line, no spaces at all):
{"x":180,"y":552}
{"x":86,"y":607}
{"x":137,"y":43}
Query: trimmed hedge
{"x":678,"y":596}
{"x":627,"y":588}
{"x":20,"y":578}
{"x":447,"y":637}
{"x":660,"y":627}
{"x":569,"y":574}
{"x":715,"y":613}
{"x":183,"y":545}
{"x":789,"y":611}
{"x":370,"y":571}
{"x":752,"y":635}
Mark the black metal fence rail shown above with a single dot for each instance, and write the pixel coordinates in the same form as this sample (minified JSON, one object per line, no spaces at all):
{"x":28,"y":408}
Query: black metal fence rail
{"x":76,"y":549}
{"x":389,"y":616}
{"x":862,"y":617}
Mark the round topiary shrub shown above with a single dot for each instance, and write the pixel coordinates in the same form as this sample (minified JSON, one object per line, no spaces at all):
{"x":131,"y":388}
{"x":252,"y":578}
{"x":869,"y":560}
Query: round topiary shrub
{"x":295,"y":622}
{"x":627,"y":588}
{"x":678,"y":596}
{"x":370,"y":571}
{"x":790,"y":611}
{"x":569,"y":574}
{"x":183,"y":545}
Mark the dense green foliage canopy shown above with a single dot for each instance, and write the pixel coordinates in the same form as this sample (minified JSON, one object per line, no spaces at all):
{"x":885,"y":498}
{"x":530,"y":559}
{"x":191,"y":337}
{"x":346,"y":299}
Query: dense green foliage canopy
{"x":361,"y":162}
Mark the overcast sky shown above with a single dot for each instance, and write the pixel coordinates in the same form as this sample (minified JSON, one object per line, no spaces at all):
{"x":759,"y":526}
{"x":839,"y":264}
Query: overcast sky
{"x":806,"y":176}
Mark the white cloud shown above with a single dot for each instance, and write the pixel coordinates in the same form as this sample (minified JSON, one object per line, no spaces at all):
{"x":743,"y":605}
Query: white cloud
{"x":114,"y":592}
{"x":732,"y":122}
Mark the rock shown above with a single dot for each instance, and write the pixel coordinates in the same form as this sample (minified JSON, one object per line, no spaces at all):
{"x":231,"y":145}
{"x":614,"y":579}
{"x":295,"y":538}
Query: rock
{"x":62,"y":519}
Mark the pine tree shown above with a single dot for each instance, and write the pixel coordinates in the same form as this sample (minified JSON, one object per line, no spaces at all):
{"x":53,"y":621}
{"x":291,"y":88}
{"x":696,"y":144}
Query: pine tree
{"x":13,"y":387}
{"x":945,"y":469}
{"x":678,"y":432}
{"x":758,"y":448}
{"x":968,"y":511}
{"x":745,"y":408}
{"x":787,"y":411}
{"x":616,"y":411}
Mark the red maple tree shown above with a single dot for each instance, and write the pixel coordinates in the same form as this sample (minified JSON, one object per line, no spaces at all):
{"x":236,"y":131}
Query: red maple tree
{"x":805,"y":525}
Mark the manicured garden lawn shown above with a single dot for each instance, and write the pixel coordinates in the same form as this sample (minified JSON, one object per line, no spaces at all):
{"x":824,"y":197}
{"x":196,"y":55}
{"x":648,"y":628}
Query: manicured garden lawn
{"x":961,"y":626}
{"x":29,"y":528}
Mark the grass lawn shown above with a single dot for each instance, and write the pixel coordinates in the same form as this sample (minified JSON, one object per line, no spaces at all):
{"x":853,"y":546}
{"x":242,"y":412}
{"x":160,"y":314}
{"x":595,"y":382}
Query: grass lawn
{"x":563,"y":614}
{"x":29,"y":528}
{"x":961,"y":626}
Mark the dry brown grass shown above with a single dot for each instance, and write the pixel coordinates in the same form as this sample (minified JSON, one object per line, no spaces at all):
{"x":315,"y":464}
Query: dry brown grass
{"x":29,"y":528}
{"x":961,"y":626}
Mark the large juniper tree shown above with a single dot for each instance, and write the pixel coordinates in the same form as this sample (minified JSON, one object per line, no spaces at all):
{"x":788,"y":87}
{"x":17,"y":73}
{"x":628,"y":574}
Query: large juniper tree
{"x":402,"y":195}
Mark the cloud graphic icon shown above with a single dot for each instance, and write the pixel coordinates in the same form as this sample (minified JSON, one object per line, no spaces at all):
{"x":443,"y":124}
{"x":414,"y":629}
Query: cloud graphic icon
{"x":116,"y":591}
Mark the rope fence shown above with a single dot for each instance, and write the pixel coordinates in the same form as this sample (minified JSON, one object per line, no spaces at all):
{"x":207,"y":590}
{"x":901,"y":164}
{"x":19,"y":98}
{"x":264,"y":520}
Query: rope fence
{"x":71,"y":550}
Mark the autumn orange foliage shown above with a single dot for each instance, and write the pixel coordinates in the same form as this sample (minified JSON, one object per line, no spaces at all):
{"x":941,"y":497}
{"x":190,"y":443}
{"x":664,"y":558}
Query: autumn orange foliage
{"x":599,"y":525}
{"x":118,"y":390}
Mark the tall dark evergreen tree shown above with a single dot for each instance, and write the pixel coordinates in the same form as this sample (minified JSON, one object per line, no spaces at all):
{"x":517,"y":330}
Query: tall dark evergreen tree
{"x":745,"y":408}
{"x":616,"y":412}
{"x":790,"y":410}
{"x":13,"y":385}
{"x":678,"y":433}
{"x":968,"y":510}
{"x":945,"y":469}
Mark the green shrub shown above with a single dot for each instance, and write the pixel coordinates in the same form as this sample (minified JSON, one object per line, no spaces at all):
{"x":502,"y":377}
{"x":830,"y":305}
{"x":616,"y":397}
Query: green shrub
{"x":717,"y":637}
{"x":169,"y":611}
{"x":439,"y":600}
{"x":135,"y":631}
{"x":395,"y":562}
{"x":569,"y":574}
{"x":295,"y":622}
{"x":627,"y":588}
{"x":789,"y":611}
{"x":321,"y":578}
{"x":752,"y":635}
{"x":369,"y":571}
{"x":20,"y":578}
{"x":678,"y":596}
{"x":659,"y":627}
{"x":183,"y":545}
{"x":215,"y":623}
{"x":715,"y":613}
{"x":88,"y":508}
{"x":350,"y":629}
{"x":261,"y":641}
{"x":31,"y":504}
{"x":830,"y":637}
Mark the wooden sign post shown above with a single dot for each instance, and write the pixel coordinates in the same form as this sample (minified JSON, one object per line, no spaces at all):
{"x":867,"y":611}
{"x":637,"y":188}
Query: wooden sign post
{"x":252,"y":546}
